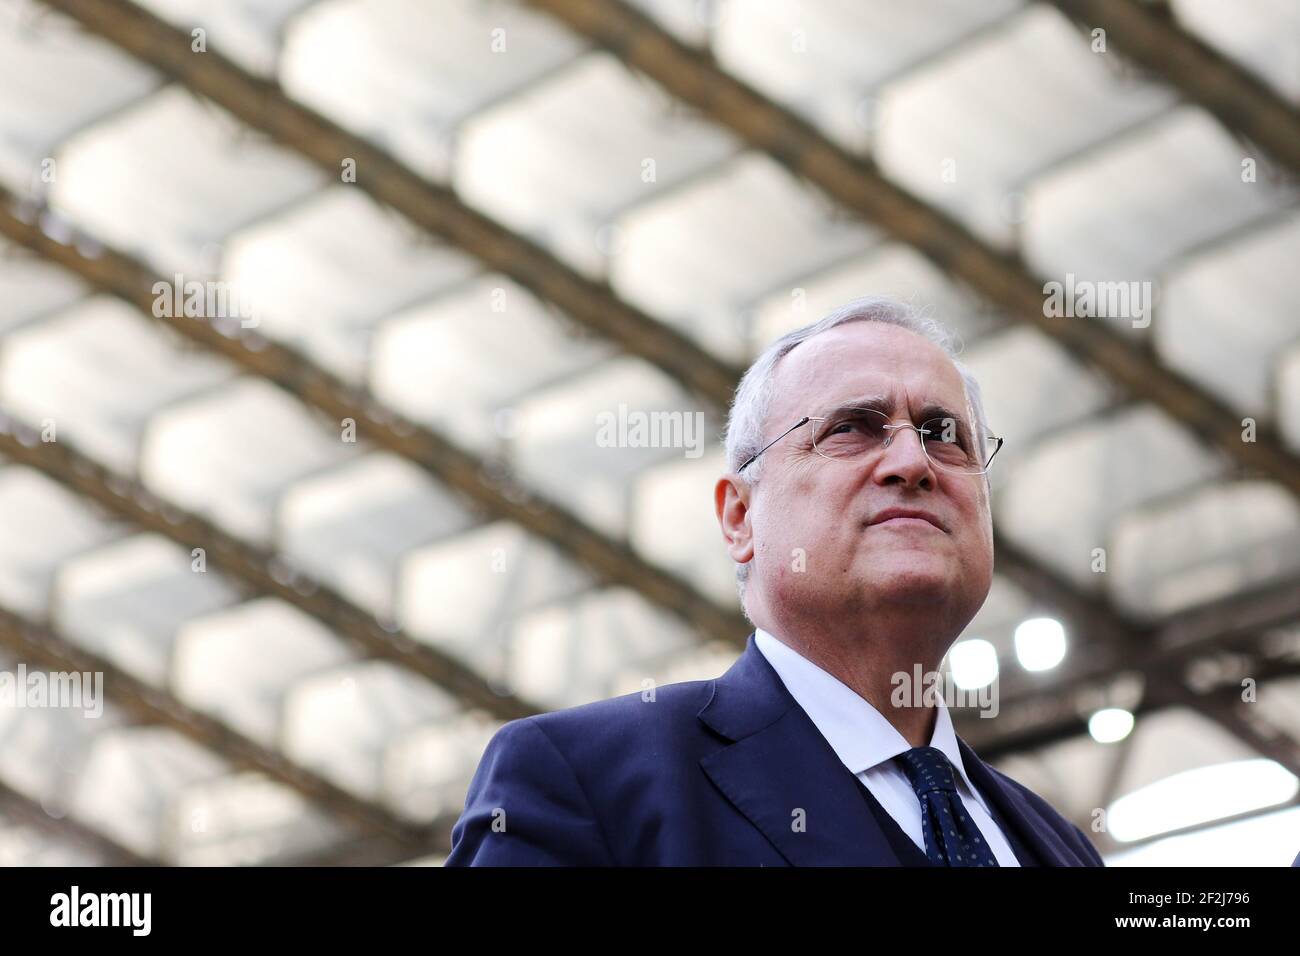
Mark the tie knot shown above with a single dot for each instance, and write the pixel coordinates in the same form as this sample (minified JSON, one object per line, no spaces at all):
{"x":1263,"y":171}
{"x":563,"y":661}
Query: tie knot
{"x":927,"y":768}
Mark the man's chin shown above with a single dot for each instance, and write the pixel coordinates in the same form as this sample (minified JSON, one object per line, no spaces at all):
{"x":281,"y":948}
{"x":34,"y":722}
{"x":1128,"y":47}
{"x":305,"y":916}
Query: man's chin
{"x":914,"y":583}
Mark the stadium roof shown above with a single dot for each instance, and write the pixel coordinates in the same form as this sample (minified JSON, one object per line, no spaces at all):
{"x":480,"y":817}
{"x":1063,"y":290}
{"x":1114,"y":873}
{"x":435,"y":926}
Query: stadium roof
{"x":472,"y":230}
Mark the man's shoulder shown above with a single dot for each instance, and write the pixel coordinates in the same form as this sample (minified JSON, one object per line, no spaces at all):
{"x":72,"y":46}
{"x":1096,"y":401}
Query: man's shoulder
{"x":576,"y":782}
{"x":1067,"y":830}
{"x":648,"y":709}
{"x":1038,"y":803}
{"x":641,"y":722}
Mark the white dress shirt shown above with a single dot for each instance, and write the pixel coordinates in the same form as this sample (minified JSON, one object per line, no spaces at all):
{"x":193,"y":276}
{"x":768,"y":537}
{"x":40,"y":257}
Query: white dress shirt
{"x":866,"y":743}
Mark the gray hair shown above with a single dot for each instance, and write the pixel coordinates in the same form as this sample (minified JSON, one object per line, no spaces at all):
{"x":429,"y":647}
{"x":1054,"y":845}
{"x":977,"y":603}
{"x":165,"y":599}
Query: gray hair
{"x":753,"y":397}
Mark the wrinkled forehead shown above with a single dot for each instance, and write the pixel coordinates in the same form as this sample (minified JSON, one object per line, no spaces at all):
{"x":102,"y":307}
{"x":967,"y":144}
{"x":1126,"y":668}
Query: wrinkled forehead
{"x":866,"y":360}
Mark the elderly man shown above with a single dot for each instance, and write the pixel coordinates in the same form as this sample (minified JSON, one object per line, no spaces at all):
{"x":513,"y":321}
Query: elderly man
{"x":862,"y":553}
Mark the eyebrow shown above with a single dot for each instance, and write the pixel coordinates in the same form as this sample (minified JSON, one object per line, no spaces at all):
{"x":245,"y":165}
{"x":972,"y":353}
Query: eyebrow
{"x":885,"y":405}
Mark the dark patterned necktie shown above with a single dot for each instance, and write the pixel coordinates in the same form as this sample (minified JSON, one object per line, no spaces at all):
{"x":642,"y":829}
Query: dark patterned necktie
{"x":951,"y":836}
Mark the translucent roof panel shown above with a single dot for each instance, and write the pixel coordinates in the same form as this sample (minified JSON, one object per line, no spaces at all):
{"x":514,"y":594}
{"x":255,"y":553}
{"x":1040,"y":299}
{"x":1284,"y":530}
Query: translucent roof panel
{"x":465,"y":592}
{"x":98,"y":372}
{"x":1060,"y":503}
{"x":54,"y":80}
{"x":424,"y":768}
{"x":583,"y":441}
{"x":24,"y":846}
{"x":463,"y":361}
{"x":231,"y":454}
{"x":1067,"y":164}
{"x":1287,"y":376}
{"x":571,"y":654}
{"x":825,"y":59}
{"x":692,"y":663}
{"x":559,"y":160}
{"x":1209,"y":544}
{"x":701,"y":255}
{"x":891,"y":270}
{"x":1260,"y":37}
{"x":243,"y":820}
{"x":248,"y":32}
{"x":970,"y":130}
{"x":131,"y":780}
{"x":170,"y":177}
{"x":238,"y":664}
{"x":351,"y":526}
{"x":404,"y":73}
{"x":47,"y":749}
{"x":690,"y":21}
{"x":1226,"y":314}
{"x":1032,"y":390}
{"x":1149,"y":175}
{"x":340,"y":723}
{"x":673,"y":522}
{"x":32,"y":288}
{"x":126,"y":601}
{"x":326,"y":272}
{"x":45,"y":525}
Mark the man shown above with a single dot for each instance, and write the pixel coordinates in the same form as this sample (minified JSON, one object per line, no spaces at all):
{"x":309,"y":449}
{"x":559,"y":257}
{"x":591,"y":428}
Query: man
{"x":862,"y":552}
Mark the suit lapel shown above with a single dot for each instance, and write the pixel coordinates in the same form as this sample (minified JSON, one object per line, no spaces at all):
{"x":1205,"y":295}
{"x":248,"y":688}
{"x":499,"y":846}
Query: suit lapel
{"x":776,"y":763}
{"x":1030,"y":825}
{"x":779,"y":771}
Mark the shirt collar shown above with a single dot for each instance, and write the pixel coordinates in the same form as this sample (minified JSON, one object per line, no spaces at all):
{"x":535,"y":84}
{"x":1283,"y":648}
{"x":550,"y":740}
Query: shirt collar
{"x":858,"y":733}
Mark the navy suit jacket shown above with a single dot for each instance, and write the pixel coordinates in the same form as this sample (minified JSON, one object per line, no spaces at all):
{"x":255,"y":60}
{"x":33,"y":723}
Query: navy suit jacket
{"x":708,"y":773}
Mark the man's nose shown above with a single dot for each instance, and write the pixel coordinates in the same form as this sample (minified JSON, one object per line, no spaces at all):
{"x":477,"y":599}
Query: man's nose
{"x":904,"y":459}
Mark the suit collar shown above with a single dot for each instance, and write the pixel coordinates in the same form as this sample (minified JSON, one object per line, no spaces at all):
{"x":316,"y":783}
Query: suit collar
{"x":859,"y":734}
{"x":1030,"y":825}
{"x":748,"y":697}
{"x":779,"y":771}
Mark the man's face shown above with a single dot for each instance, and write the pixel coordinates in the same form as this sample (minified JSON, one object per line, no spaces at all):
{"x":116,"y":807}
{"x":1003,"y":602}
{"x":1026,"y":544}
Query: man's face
{"x":830,"y":509}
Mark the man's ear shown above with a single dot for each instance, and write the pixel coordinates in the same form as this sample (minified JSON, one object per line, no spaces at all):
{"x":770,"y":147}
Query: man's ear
{"x":731,"y":496}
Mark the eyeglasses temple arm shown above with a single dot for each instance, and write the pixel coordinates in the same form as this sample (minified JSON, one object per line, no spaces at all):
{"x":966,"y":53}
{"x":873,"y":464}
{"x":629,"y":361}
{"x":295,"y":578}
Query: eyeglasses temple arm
{"x":754,"y":457}
{"x":1001,"y":441}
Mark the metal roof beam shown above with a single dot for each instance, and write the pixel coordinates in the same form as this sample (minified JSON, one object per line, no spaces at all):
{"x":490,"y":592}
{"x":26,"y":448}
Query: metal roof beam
{"x":1236,"y":97}
{"x":492,"y":489}
{"x":1050,"y":716}
{"x":22,"y":809}
{"x":856,"y":183}
{"x":43,"y":647}
{"x":261,"y":104}
{"x":694,"y":78}
{"x":260,"y":569}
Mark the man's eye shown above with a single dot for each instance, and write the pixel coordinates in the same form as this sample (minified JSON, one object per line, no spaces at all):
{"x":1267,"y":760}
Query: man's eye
{"x":945,"y":431}
{"x":858,"y":426}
